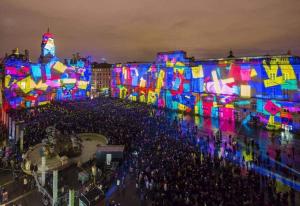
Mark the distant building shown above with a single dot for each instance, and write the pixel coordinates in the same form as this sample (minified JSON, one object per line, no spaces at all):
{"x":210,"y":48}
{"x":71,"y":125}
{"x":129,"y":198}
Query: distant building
{"x":101,"y":75}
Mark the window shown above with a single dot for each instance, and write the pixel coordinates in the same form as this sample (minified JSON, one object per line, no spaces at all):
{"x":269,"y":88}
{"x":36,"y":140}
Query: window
{"x":286,"y":76}
{"x":273,"y":93}
{"x":285,"y":93}
{"x":245,"y":91}
{"x":272,"y":76}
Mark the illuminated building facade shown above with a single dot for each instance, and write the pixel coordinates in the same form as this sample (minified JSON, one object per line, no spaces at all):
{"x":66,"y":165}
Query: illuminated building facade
{"x":101,"y":76}
{"x":251,"y":90}
{"x":28,"y":84}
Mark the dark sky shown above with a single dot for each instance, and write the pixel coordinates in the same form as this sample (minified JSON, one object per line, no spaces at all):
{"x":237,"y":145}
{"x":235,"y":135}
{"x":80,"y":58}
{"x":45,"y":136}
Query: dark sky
{"x":135,"y":30}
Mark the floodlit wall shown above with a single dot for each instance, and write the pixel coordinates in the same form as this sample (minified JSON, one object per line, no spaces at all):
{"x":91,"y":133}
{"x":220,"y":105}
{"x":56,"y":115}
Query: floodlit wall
{"x":245,"y":89}
{"x":29,"y":84}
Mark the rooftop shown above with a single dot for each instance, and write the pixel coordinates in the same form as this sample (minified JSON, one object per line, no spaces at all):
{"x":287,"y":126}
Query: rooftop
{"x":97,"y":65}
{"x":231,"y":57}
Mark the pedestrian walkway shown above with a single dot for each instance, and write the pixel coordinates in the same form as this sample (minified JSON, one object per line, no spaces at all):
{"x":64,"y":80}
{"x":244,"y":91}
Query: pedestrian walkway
{"x":282,"y":148}
{"x":127,"y":194}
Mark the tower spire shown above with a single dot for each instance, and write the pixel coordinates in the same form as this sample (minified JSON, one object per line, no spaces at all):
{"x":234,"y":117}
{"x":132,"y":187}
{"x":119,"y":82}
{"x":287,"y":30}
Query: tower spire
{"x":48,"y":30}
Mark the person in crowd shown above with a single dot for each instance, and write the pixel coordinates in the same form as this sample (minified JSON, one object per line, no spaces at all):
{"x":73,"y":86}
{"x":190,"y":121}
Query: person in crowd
{"x":174,"y":165}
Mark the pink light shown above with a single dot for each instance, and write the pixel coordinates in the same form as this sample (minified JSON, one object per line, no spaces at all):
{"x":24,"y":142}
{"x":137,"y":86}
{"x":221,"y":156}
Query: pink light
{"x":245,"y":74}
{"x":271,"y":107}
{"x":52,"y":83}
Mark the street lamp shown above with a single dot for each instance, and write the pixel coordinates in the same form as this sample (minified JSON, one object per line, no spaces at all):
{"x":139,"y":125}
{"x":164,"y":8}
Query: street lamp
{"x":94,"y":172}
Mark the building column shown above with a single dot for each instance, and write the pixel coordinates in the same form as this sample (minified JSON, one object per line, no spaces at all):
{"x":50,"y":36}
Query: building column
{"x":6,"y":119}
{"x":13,"y":130}
{"x":2,"y":115}
{"x":9,"y":127}
{"x":17,"y":132}
{"x":22,"y":140}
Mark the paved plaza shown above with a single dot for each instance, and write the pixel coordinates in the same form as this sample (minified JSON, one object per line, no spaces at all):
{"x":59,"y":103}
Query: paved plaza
{"x":252,"y":142}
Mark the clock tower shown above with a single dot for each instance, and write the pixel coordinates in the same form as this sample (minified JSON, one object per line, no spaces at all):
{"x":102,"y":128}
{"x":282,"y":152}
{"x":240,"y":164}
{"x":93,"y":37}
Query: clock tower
{"x":47,"y":47}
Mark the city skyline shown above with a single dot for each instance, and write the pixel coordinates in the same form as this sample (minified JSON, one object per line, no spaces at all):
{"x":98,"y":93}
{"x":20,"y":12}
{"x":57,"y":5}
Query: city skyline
{"x":122,"y":31}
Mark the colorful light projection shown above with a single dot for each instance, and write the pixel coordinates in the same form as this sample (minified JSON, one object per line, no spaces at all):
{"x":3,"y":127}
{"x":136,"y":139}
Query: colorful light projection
{"x":232,"y":89}
{"x":29,"y":84}
{"x":48,"y":47}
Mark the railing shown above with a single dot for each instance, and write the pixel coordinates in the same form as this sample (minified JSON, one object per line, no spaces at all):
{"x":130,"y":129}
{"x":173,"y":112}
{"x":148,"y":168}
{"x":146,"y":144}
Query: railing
{"x":265,"y":169}
{"x":41,"y":189}
{"x":62,"y":199}
{"x":267,"y":161}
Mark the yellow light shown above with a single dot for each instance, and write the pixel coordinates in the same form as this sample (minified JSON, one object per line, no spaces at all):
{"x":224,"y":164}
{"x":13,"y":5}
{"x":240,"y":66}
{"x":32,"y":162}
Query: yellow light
{"x":60,"y":67}
{"x":245,"y":91}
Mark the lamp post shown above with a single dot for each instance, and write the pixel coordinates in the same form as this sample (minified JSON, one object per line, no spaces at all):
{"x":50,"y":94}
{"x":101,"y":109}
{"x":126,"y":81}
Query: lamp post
{"x":71,"y":198}
{"x":94,"y":172}
{"x":43,"y":169}
{"x":55,"y":187}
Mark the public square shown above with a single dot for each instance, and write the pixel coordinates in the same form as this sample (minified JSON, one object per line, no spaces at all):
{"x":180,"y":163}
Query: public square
{"x":167,"y":153}
{"x":149,"y":103}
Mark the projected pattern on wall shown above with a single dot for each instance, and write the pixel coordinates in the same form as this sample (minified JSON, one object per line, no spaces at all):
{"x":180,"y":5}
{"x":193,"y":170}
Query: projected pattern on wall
{"x":29,"y":84}
{"x":265,"y":89}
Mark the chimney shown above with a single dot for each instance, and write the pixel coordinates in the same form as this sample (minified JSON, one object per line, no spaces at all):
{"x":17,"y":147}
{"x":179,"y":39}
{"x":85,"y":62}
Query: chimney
{"x":26,"y":54}
{"x":74,"y":60}
{"x":77,"y":56}
{"x":17,"y":51}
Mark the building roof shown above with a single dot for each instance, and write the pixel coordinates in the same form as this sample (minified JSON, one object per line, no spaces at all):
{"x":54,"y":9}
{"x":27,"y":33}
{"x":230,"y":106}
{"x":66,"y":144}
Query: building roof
{"x":93,"y":196}
{"x":111,"y":148}
{"x":248,"y":57}
{"x":253,"y":59}
{"x":21,"y":57}
{"x":97,"y":65}
{"x":48,"y":34}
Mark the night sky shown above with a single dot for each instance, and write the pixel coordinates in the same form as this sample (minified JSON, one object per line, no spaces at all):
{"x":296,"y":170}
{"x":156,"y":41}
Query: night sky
{"x":135,"y":30}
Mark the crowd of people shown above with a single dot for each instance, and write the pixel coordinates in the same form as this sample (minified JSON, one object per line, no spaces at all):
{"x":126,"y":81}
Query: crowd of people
{"x":172,"y":166}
